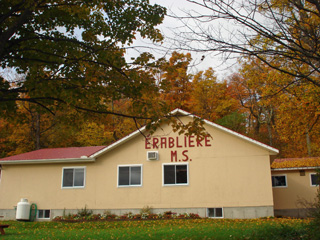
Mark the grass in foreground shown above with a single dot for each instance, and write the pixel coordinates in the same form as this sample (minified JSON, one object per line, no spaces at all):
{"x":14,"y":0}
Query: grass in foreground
{"x":161,"y":229}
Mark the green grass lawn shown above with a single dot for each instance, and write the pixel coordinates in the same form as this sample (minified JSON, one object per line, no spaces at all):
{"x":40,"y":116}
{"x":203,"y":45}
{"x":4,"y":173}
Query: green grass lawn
{"x":161,"y":229}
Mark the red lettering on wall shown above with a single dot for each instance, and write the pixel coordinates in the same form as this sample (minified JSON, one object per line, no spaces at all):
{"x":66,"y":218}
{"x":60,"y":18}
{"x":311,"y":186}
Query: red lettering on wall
{"x":171,"y":142}
{"x":174,"y":155}
{"x":184,"y":153}
{"x":179,"y":146}
{"x":191,"y":141}
{"x":199,"y":140}
{"x":147,"y":143}
{"x":207,"y":141}
{"x":163,"y":142}
{"x":155,"y":142}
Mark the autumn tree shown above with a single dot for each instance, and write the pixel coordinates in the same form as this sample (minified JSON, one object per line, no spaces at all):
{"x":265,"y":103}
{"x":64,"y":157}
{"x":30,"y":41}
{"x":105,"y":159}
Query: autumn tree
{"x":281,"y":33}
{"x":298,"y":119}
{"x":72,"y":53}
{"x":33,"y":128}
{"x":175,"y":80}
{"x":255,"y":87}
{"x":210,"y":98}
{"x":285,"y":116}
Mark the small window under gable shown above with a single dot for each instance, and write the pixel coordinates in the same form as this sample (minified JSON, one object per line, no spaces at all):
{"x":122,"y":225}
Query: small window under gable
{"x":279,"y":181}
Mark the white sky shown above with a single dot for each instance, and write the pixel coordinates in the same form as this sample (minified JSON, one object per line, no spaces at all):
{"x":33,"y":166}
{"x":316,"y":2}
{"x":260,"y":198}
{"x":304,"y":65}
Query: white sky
{"x":170,"y":25}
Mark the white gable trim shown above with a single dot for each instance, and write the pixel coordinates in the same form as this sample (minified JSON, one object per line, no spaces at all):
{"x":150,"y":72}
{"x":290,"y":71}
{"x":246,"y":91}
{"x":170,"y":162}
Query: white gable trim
{"x":119,"y":142}
{"x":271,"y":150}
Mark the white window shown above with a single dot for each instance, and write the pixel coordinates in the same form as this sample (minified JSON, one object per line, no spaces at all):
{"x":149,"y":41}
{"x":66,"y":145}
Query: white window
{"x":129,"y":175}
{"x":73,"y":177}
{"x":44,"y":214}
{"x":279,"y":181}
{"x":315,"y":179}
{"x":215,"y":212}
{"x":175,"y":174}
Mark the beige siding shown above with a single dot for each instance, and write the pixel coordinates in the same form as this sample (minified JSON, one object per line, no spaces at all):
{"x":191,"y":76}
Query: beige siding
{"x":298,"y":189}
{"x":230,"y":173}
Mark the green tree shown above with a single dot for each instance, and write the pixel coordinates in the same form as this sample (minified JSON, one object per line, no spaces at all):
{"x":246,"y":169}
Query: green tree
{"x":72,"y":52}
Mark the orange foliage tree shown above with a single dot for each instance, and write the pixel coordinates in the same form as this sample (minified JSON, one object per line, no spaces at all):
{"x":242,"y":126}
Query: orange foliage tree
{"x":175,"y":82}
{"x":210,"y":98}
{"x":280,"y":111}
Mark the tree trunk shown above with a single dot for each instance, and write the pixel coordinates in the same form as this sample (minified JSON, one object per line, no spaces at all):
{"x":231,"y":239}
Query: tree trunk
{"x":308,"y":143}
{"x":35,"y":130}
{"x":270,"y":134}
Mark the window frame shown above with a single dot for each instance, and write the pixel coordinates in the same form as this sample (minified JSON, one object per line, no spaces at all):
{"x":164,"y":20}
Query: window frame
{"x":175,"y":184}
{"x":129,"y":165}
{"x":311,"y":184}
{"x":38,"y":213}
{"x":280,"y":175}
{"x":84,"y":177}
{"x":215,"y":212}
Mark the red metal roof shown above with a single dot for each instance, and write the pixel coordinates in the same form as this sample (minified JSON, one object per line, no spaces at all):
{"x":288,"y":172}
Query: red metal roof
{"x":55,"y":153}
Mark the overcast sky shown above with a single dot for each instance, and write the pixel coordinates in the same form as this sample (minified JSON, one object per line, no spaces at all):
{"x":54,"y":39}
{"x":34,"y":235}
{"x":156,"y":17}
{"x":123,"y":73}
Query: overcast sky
{"x":177,"y":7}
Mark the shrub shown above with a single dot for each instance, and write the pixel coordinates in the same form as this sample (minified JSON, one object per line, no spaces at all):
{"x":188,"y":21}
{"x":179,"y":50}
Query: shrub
{"x":108,"y":215}
{"x":146,"y":210}
{"x":84,"y":212}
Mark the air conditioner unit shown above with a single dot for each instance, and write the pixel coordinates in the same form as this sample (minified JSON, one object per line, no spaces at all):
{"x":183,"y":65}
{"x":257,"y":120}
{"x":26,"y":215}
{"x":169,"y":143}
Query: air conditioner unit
{"x":152,"y":155}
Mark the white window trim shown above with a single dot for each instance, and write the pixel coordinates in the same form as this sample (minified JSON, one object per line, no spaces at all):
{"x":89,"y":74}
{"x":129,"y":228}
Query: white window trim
{"x":43,"y":217}
{"x":179,"y":184}
{"x":84,"y":177}
{"x":285,"y":175}
{"x":312,"y":185}
{"x":215,"y":217}
{"x":130,"y":165}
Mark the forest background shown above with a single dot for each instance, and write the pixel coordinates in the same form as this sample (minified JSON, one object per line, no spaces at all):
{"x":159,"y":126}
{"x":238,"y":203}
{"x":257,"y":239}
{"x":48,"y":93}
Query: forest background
{"x":65,"y":80}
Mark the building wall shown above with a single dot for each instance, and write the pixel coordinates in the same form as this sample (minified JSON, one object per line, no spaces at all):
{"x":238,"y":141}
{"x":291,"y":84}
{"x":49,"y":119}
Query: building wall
{"x":229,"y":172}
{"x":290,"y":200}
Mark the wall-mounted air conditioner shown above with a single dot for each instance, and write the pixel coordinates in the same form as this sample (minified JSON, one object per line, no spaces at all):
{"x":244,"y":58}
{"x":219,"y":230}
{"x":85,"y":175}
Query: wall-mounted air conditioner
{"x":154,"y":155}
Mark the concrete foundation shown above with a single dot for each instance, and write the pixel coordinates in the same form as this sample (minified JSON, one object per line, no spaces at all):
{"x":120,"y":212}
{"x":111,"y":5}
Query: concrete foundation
{"x":228,"y":212}
{"x":248,"y":212}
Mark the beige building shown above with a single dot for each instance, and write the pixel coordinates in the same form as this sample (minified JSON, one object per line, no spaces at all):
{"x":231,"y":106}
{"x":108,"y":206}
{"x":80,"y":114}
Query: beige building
{"x":295,"y":183}
{"x":224,"y":175}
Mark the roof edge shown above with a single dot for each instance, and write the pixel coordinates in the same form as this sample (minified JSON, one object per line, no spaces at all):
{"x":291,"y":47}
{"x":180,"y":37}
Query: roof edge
{"x":58,"y":160}
{"x":120,"y":141}
{"x":272,"y":150}
{"x":295,"y":168}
